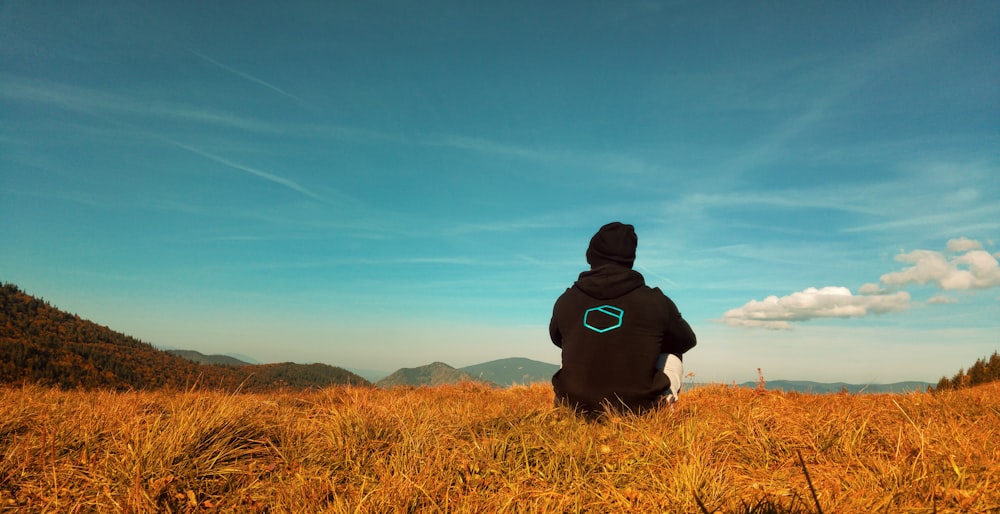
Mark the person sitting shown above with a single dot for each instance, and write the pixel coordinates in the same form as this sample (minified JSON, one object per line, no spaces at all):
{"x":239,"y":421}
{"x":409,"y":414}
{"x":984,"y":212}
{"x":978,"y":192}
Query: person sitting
{"x":622,"y":341}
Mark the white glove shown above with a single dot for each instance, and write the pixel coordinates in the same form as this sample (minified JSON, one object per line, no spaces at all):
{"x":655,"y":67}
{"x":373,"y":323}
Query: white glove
{"x":673,"y":368}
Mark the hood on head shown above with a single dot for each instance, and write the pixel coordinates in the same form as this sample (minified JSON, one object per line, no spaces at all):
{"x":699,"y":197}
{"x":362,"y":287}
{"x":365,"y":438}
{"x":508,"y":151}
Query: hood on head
{"x":614,"y":243}
{"x":609,"y":281}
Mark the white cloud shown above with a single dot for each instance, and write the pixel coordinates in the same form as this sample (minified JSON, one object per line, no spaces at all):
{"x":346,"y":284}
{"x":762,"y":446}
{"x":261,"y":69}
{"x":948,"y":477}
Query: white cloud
{"x":984,"y":270}
{"x":928,"y":266}
{"x":971,"y":268}
{"x":963,"y":244}
{"x":812,"y":303}
{"x":871,"y":289}
{"x":974,"y":269}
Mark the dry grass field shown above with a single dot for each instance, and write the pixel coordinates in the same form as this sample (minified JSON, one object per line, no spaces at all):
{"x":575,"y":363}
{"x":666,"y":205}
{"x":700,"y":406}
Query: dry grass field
{"x":470,"y":448}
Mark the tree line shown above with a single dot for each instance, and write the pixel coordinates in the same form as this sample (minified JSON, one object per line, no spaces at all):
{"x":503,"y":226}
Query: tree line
{"x":982,"y":372}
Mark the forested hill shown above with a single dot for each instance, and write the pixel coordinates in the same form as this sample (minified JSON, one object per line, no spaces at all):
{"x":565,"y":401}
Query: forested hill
{"x":436,"y":373}
{"x":982,"y":372}
{"x":42,"y":344}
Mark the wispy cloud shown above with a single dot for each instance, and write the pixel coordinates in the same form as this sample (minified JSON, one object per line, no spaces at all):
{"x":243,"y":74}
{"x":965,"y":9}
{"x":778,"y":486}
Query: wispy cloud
{"x":610,"y":162}
{"x":658,"y":276}
{"x":246,"y":76}
{"x":49,"y":196}
{"x":916,"y":199}
{"x":953,"y":220}
{"x":833,"y":84}
{"x":106,"y":107}
{"x":502,"y":226}
{"x":811,"y":198}
{"x":931,"y":199}
{"x":288,"y":183}
{"x":77,"y":98}
{"x":133,"y":105}
{"x":270,"y":177}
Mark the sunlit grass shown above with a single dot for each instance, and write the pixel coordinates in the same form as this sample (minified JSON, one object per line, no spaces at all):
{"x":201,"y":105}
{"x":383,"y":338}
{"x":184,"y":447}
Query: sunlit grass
{"x":471,"y":448}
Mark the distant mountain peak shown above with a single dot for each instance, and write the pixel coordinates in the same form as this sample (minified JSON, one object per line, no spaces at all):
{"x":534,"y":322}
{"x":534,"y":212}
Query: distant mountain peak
{"x":433,"y":374}
{"x":200,"y":358}
{"x":511,"y":371}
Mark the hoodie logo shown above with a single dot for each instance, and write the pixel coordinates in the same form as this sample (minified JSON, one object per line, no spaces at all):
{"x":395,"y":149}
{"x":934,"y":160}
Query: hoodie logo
{"x":603,"y":319}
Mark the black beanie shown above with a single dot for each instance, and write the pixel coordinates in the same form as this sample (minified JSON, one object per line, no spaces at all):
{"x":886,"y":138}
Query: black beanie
{"x":613,"y":243}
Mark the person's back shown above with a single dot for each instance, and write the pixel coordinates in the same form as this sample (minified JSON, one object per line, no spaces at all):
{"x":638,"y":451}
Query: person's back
{"x":615,"y":332}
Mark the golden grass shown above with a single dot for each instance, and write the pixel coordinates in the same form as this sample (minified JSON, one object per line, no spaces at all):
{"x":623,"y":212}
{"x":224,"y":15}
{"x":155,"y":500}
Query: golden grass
{"x":470,"y":448}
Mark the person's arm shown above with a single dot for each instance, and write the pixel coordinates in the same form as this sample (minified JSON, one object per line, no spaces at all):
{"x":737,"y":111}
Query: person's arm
{"x":679,"y":337}
{"x":554,"y":333}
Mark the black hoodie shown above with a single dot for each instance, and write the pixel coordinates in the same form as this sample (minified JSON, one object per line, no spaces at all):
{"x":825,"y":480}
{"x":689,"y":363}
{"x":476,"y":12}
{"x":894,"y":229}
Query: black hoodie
{"x":612,"y":327}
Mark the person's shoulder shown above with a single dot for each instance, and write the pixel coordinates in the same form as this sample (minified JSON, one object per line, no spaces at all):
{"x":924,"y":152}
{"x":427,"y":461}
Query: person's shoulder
{"x":654,"y":291}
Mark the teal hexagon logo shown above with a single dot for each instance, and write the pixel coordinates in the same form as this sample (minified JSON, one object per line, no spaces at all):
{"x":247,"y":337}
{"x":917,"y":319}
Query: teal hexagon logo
{"x":603,"y":319}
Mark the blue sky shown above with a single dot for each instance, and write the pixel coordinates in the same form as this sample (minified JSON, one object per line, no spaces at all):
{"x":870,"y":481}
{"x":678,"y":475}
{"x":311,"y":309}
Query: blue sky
{"x":385,"y":184}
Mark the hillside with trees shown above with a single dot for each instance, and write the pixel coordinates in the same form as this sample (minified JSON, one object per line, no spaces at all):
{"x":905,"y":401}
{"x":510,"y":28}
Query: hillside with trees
{"x":434,"y":374}
{"x":982,"y":372}
{"x":265,"y":377}
{"x":40,"y":344}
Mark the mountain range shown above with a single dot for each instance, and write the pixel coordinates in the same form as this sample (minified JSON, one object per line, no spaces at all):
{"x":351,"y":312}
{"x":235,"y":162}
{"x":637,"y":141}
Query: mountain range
{"x":42,"y":344}
{"x":513,"y":371}
{"x":501,"y":373}
{"x":805,"y":386}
